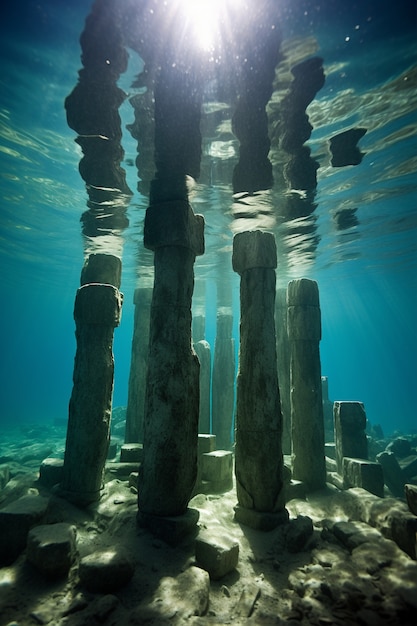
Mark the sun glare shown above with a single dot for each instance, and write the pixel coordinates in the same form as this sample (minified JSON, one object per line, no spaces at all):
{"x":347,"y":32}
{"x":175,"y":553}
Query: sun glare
{"x":205,"y":18}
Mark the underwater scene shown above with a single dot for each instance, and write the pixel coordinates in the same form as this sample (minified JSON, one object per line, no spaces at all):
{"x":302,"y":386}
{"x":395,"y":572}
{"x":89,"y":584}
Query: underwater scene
{"x":208,"y":372}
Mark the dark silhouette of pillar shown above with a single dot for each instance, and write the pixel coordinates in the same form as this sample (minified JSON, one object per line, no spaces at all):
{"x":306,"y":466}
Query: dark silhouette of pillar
{"x":223,"y":387}
{"x":304,"y":332}
{"x":259,"y":460}
{"x":138,"y":366}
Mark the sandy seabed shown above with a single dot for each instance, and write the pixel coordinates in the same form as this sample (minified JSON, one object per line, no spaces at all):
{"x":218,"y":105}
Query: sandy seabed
{"x":340,"y":574}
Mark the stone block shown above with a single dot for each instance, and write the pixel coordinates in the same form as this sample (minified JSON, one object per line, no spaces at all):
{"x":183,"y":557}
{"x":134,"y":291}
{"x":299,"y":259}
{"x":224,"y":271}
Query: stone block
{"x":206,"y":443}
{"x":349,"y":430}
{"x":216,"y":554}
{"x":98,"y":304}
{"x":393,"y":476}
{"x":217,"y":466}
{"x":365,"y":474}
{"x":102,"y":268}
{"x":353,"y":534}
{"x":51,"y":549}
{"x":409,"y":467}
{"x":16,"y":520}
{"x":50,"y":471}
{"x":253,"y":249}
{"x":411,"y":497}
{"x":330,"y":450}
{"x":131,"y":453}
{"x":105,"y":571}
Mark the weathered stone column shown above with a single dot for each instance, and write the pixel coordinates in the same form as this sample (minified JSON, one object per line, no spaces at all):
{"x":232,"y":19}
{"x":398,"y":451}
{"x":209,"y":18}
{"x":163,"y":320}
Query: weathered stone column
{"x":97,"y":312}
{"x":223,"y":384}
{"x":202,"y":349}
{"x":138,"y":366}
{"x":304,"y":333}
{"x":169,"y":468}
{"x":349,"y":432}
{"x":259,"y":461}
{"x":283,"y":362}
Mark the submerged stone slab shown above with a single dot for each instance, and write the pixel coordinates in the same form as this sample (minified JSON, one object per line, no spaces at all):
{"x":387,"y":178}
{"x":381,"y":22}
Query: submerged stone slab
{"x":216,"y":554}
{"x":51,"y":548}
{"x":365,"y":474}
{"x":16,"y":520}
{"x":50,"y":471}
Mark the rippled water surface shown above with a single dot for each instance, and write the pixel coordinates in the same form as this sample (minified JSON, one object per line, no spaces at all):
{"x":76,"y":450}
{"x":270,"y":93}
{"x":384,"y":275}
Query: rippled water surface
{"x":357,"y":239}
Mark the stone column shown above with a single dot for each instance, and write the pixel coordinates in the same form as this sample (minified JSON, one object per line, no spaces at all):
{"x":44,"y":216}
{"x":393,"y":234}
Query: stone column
{"x":223,"y":384}
{"x":138,"y":366}
{"x":97,"y":312}
{"x":283,"y":361}
{"x":327,"y":410}
{"x":202,"y":349}
{"x":349,"y":432}
{"x":259,"y":461}
{"x":304,"y":332}
{"x":169,"y":468}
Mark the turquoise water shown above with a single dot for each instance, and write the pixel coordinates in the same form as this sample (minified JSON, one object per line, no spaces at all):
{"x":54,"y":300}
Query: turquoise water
{"x":367,"y":272}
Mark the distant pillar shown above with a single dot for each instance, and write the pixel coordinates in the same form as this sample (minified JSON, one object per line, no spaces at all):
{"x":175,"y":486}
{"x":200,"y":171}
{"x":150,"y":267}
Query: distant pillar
{"x":327,"y":410}
{"x":202,"y":349}
{"x":283,"y":361}
{"x":97,"y":312}
{"x":349,"y":432}
{"x":169,"y":467}
{"x":138,"y":366}
{"x":259,"y":460}
{"x":223,"y":384}
{"x":304,"y":332}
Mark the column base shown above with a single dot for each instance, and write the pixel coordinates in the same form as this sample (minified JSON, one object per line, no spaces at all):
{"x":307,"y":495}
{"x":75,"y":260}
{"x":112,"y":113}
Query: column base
{"x":172,"y":529}
{"x":260,"y":520}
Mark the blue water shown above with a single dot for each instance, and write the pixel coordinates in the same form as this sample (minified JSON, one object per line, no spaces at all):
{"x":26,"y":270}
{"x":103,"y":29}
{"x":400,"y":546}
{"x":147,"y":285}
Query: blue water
{"x":367,"y":274}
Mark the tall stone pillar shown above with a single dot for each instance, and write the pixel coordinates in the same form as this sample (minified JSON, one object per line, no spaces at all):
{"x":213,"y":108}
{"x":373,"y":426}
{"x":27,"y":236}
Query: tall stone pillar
{"x":283,"y":361}
{"x":259,"y":461}
{"x":138,"y":366}
{"x":169,"y":467}
{"x":223,"y":384}
{"x":202,"y":350}
{"x":97,"y":312}
{"x":304,"y":332}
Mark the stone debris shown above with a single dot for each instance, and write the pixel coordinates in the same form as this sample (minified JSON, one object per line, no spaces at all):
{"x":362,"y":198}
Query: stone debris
{"x":16,"y":520}
{"x":411,"y":496}
{"x":393,"y":475}
{"x":105,"y":571}
{"x":51,"y":548}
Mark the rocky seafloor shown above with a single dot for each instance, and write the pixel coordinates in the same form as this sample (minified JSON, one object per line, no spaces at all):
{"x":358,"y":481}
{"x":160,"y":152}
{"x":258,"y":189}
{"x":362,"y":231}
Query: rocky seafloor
{"x":337,"y":561}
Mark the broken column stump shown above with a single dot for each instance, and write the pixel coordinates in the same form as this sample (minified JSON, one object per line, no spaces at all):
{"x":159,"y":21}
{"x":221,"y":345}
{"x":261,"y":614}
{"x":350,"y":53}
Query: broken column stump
{"x":259,"y":459}
{"x":349,"y":432}
{"x":138,"y":366}
{"x":304,"y":332}
{"x":223,"y":383}
{"x":97,"y":312}
{"x":169,"y":467}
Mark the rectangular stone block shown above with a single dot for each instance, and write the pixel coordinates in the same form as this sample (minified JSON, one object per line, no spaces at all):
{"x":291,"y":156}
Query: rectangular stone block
{"x":365,"y":474}
{"x":217,"y":466}
{"x":349,"y":431}
{"x":254,"y":248}
{"x":131,"y":453}
{"x":206,"y":443}
{"x":218,"y":555}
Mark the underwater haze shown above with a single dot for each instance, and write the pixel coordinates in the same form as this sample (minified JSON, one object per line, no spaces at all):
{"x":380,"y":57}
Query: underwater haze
{"x":359,"y":242}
